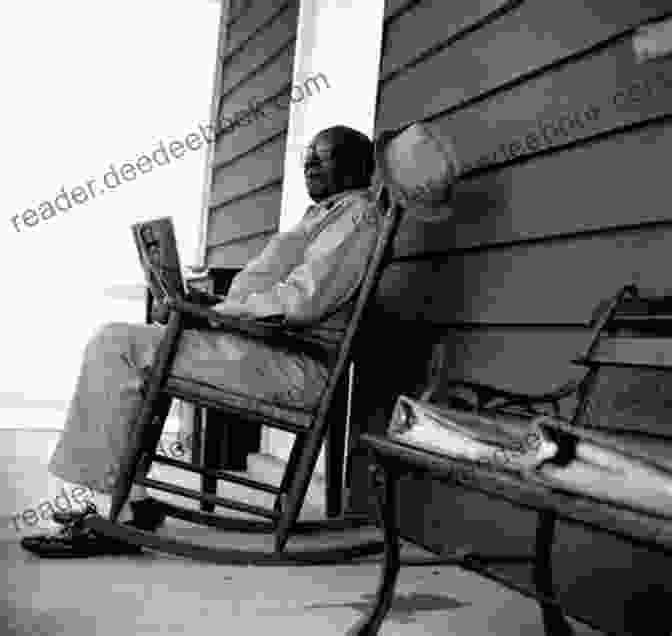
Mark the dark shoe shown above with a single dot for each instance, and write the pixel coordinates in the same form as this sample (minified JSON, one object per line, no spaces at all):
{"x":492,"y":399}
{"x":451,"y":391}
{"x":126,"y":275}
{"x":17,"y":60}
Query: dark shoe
{"x":148,"y":514}
{"x":74,"y":541}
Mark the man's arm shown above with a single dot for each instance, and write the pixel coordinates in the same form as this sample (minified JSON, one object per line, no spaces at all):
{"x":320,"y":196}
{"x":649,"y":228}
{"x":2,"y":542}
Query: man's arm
{"x":281,"y":254}
{"x":326,"y":279}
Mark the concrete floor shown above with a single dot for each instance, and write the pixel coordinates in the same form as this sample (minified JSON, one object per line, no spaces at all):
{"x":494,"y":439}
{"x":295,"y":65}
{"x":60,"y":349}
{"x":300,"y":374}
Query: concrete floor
{"x":157,"y":594}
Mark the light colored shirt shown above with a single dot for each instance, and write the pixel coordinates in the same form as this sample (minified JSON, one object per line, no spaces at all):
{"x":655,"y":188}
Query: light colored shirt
{"x":314,"y":268}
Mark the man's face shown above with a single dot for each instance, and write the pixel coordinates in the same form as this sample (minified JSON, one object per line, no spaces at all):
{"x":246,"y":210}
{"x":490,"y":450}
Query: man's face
{"x":323,"y":172}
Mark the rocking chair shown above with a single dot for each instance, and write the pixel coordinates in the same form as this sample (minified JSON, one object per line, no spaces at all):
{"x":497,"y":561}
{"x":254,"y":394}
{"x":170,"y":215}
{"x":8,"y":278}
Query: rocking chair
{"x":309,"y":423}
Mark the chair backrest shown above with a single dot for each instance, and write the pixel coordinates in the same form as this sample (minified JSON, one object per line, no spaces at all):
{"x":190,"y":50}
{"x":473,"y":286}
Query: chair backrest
{"x":398,"y":185}
{"x":629,"y":363}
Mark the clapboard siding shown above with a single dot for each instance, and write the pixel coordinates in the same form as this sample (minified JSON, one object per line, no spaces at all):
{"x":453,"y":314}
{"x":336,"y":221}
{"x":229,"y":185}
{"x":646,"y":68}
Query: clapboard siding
{"x":271,"y":79}
{"x":256,"y":213}
{"x":600,"y":92}
{"x":250,"y":172}
{"x":238,"y":253}
{"x":547,"y":282}
{"x":249,"y":154}
{"x":253,"y":16}
{"x":270,"y":122}
{"x":392,"y":7}
{"x":542,"y":229}
{"x":413,"y":33}
{"x":532,"y":359}
{"x":520,"y":42}
{"x":259,"y":48}
{"x":237,"y":9}
{"x":587,"y":188}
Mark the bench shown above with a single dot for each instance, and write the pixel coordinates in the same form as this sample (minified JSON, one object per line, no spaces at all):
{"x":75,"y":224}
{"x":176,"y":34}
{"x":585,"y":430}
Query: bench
{"x":628,"y":361}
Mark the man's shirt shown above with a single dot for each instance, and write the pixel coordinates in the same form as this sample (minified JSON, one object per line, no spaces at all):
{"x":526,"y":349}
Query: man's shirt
{"x":314,"y":268}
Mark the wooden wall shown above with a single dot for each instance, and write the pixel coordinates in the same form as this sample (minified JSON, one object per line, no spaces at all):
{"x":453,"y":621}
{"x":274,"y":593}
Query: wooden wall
{"x":565,"y":140}
{"x":246,"y":179}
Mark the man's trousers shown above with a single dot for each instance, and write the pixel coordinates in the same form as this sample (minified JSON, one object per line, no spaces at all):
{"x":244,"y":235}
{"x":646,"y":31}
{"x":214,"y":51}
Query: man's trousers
{"x":107,"y":397}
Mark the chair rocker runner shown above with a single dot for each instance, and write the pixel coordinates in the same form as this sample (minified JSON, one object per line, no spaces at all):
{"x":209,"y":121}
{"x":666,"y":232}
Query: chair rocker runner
{"x":309,"y":425}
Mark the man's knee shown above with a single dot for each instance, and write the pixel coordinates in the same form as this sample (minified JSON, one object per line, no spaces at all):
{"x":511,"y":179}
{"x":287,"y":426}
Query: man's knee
{"x":110,"y":336}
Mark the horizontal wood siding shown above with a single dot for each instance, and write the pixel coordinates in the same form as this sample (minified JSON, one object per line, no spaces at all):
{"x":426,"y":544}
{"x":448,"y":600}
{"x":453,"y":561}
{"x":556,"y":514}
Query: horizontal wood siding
{"x":249,"y":149}
{"x":555,"y":281}
{"x":558,"y":194}
{"x":239,"y":251}
{"x":564,"y":138}
{"x":249,"y":152}
{"x":522,"y":42}
{"x":262,"y":206}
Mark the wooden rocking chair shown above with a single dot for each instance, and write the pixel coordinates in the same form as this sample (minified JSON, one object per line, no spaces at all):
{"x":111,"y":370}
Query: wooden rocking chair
{"x":309,"y":423}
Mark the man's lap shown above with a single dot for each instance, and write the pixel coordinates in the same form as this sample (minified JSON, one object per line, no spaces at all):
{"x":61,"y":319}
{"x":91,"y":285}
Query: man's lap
{"x":227,"y":361}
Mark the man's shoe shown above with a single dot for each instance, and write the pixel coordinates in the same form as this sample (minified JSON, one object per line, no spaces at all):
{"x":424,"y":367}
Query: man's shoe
{"x":148,"y":514}
{"x":74,"y":541}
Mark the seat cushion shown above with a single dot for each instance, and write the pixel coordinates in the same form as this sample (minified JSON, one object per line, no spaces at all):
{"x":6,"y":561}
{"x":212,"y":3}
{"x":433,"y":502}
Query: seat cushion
{"x":295,"y":415}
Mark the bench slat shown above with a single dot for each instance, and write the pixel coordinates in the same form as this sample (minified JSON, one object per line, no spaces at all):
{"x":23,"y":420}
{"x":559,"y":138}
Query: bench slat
{"x":631,"y":351}
{"x":653,"y":531}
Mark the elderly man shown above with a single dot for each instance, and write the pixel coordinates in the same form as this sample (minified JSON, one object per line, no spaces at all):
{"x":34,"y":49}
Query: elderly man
{"x":304,"y":274}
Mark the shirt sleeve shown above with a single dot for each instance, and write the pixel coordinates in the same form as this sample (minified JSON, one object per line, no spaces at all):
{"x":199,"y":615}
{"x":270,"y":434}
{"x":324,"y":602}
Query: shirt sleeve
{"x":332,"y":270}
{"x":282,"y":253}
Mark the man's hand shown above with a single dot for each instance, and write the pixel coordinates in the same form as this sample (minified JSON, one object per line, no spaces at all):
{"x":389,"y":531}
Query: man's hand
{"x":160,"y":312}
{"x":232,"y":309}
{"x":199,"y":297}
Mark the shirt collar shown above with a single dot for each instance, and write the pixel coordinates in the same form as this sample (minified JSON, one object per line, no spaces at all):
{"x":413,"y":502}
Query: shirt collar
{"x":329,"y":202}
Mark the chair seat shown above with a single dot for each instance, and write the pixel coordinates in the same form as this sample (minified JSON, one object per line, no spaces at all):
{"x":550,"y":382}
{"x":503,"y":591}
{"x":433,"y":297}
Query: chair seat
{"x":294,"y":415}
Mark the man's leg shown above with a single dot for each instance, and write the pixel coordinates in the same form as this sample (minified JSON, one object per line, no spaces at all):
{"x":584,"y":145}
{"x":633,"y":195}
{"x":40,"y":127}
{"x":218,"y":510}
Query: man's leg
{"x":102,"y":411}
{"x":104,"y":406}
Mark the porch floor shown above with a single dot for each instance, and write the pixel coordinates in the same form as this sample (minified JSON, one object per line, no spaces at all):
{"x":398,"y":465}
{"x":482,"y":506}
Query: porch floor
{"x":156,"y":594}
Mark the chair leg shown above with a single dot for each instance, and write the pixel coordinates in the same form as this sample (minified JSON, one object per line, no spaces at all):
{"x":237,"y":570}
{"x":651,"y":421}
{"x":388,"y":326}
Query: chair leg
{"x":555,"y":623}
{"x":146,"y":436}
{"x":306,"y":465}
{"x":197,"y":436}
{"x":290,"y":471}
{"x":386,"y":487}
{"x":335,"y":450}
{"x":212,"y":458}
{"x":141,"y":432}
{"x":299,"y":486}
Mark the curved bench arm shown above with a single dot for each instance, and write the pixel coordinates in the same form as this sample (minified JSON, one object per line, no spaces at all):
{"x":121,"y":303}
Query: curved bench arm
{"x":487,"y":394}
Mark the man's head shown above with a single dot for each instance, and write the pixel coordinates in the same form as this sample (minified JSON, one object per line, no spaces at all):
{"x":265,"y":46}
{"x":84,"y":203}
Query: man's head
{"x":337,"y":159}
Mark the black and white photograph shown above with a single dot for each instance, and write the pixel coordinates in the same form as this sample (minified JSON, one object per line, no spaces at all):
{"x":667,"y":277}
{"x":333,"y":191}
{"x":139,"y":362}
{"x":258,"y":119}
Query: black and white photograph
{"x":339,"y":317}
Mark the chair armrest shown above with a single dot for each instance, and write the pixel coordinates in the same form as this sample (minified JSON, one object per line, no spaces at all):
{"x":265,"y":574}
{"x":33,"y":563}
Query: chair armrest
{"x":273,"y":330}
{"x":248,"y":326}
